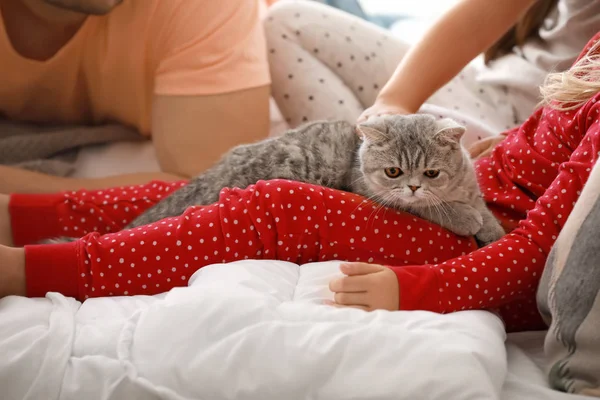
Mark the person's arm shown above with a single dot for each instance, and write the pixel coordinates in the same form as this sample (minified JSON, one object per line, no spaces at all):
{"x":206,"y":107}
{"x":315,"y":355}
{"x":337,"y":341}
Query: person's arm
{"x":211,"y":93}
{"x":212,"y":82}
{"x":509,"y":269}
{"x":461,"y":34}
{"x":192,"y":133}
{"x":189,"y":132}
{"x":16,"y":180}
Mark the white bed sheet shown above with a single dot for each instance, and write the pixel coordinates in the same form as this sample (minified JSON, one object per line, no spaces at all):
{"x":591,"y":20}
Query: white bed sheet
{"x":254,"y":330}
{"x":257,"y":330}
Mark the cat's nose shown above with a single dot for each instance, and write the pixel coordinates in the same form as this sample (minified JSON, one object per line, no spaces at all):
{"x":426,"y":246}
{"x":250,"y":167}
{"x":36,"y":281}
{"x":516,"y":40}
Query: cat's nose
{"x":413,"y":188}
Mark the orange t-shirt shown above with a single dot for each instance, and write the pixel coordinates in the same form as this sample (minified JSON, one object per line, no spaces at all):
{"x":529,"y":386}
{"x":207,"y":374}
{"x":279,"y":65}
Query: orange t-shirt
{"x":114,"y":65}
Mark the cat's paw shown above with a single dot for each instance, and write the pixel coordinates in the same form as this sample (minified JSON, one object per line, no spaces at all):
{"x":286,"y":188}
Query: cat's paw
{"x":467,"y":222}
{"x":489,"y":233}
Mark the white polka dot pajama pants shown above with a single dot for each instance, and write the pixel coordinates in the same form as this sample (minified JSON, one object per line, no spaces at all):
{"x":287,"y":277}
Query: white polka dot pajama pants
{"x":277,"y":219}
{"x":328,"y":64}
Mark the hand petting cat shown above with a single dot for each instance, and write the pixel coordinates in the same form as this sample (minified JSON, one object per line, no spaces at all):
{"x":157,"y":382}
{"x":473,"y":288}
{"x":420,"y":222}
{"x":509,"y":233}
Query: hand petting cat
{"x":368,"y":287}
{"x":382,"y":107}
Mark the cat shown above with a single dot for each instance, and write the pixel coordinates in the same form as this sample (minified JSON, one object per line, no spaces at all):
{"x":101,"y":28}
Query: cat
{"x":412,"y":163}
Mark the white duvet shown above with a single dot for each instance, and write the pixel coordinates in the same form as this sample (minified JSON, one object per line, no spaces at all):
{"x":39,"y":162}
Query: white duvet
{"x":246,"y":330}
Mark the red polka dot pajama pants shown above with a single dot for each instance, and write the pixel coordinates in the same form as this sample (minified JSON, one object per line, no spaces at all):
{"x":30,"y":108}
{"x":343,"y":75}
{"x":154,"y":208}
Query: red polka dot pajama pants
{"x":278,"y":219}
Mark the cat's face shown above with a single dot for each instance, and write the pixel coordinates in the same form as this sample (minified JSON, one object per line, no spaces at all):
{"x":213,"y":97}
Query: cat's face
{"x":411,"y":161}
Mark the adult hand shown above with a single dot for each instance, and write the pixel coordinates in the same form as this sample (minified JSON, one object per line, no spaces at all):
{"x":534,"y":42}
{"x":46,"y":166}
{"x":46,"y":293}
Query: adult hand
{"x":484,"y":147}
{"x":366,"y":286}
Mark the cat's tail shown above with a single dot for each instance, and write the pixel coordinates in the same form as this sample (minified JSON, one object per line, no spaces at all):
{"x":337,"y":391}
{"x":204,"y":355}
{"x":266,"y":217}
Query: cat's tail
{"x":202,"y":190}
{"x":172,"y":206}
{"x":57,"y":240}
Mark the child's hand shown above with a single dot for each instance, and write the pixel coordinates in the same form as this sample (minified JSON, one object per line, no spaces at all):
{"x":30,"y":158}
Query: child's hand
{"x":381,"y":107}
{"x":366,"y":286}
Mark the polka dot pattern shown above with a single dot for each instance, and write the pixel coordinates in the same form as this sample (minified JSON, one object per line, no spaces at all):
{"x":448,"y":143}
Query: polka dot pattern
{"x":277,"y":219}
{"x":436,"y":270}
{"x":326,"y":64}
{"x":109,"y":210}
{"x":531,"y":182}
{"x":77,"y":213}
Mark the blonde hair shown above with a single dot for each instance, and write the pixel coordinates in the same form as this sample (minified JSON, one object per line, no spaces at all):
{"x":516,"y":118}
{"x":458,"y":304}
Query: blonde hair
{"x":571,"y":89}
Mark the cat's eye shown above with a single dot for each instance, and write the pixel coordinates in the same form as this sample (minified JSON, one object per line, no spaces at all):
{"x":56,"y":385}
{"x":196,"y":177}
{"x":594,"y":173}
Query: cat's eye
{"x":393,"y":172}
{"x":432,"y":173}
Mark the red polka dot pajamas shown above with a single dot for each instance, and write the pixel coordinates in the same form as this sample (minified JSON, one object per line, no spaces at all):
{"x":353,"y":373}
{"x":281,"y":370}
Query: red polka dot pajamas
{"x":277,"y":219}
{"x":531,"y":182}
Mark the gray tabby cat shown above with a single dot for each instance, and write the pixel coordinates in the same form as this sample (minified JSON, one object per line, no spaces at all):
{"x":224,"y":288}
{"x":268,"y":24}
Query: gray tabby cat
{"x":412,"y":163}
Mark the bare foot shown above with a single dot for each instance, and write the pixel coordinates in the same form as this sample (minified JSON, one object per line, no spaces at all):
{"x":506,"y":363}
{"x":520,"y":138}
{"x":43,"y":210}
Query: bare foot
{"x":12,"y":271}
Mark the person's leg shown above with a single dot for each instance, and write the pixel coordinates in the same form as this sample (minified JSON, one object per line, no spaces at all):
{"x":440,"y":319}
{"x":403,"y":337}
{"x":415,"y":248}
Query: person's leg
{"x":328,"y":64}
{"x":29,"y":218}
{"x":12,"y":272}
{"x":325,"y":63}
{"x":281,"y":220}
{"x":6,"y":236}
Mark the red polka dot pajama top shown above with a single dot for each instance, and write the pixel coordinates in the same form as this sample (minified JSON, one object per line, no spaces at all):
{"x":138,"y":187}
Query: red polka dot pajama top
{"x":531,"y":182}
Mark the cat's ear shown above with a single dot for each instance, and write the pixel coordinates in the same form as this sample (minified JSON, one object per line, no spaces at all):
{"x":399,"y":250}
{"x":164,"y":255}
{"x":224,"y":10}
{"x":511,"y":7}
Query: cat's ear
{"x":370,"y":134}
{"x":449,"y":131}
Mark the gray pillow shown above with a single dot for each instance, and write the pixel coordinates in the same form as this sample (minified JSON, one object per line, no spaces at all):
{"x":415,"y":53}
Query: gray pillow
{"x":568,"y":297}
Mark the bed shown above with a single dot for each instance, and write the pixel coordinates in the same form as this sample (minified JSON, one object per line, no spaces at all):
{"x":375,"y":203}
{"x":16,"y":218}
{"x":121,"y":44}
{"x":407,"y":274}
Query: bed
{"x":253,"y":330}
{"x":258,"y":330}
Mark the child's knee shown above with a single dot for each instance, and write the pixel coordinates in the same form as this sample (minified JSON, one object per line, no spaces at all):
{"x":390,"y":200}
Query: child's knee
{"x":284,"y":13}
{"x":286,"y":17}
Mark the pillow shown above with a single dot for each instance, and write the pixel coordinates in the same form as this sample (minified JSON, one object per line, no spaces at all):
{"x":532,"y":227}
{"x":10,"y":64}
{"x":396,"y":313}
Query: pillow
{"x":568,"y":297}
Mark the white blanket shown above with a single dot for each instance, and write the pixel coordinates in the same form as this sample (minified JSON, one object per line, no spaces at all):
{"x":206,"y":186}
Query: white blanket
{"x":246,"y":330}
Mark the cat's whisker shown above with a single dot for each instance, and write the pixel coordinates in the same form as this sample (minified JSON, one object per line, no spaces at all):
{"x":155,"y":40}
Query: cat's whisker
{"x":384,"y":201}
{"x":378,"y":200}
{"x":375,"y":209}
{"x":372,"y":198}
{"x":377,"y":196}
{"x":433,"y":203}
{"x":387,"y":203}
{"x":356,"y":180}
{"x":436,"y":204}
{"x":440,"y":207}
